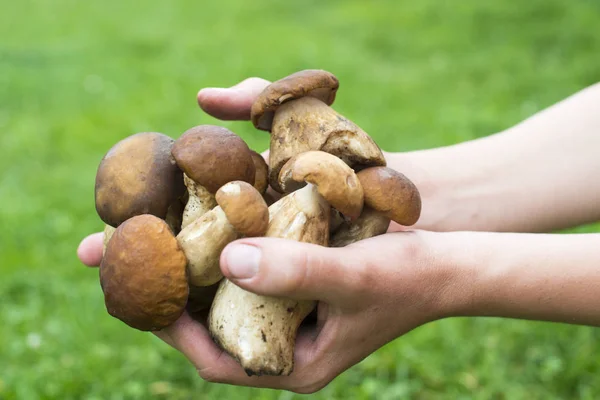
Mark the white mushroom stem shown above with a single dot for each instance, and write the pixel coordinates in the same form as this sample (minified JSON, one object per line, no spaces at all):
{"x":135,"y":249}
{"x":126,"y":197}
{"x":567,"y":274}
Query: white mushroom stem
{"x":260,"y":331}
{"x":202,"y":242}
{"x":241,"y":211}
{"x":200,"y":201}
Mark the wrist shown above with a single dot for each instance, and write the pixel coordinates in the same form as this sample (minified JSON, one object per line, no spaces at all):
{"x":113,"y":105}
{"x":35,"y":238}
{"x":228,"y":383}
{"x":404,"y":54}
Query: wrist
{"x":455,"y":258}
{"x":462,"y":186}
{"x":438,"y":182}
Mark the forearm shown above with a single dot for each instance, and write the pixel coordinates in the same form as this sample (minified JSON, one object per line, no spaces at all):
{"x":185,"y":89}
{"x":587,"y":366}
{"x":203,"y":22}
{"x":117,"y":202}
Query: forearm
{"x":538,"y":176}
{"x":528,"y":276}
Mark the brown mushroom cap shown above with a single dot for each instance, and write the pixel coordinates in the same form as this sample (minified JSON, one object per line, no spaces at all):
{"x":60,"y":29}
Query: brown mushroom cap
{"x":212,"y":156}
{"x":143,"y":274}
{"x":320,"y":84}
{"x":261,"y":175}
{"x":391,"y":193}
{"x":137,"y":176}
{"x":244,"y":207}
{"x":334,"y":179}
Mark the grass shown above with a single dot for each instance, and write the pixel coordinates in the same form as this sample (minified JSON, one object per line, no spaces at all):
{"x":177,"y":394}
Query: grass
{"x":75,"y":77}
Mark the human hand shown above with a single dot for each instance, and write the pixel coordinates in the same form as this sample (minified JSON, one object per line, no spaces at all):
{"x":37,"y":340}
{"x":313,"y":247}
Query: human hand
{"x":192,"y":338}
{"x":369,"y":293}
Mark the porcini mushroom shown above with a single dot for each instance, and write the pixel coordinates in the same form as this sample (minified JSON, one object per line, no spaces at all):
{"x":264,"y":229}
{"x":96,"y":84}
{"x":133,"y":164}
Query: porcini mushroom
{"x":261,"y":176}
{"x":308,"y":83}
{"x":389,"y":196}
{"x":210,"y":156}
{"x":143,"y":274}
{"x":260,"y":331}
{"x":242,"y":211}
{"x":138,"y":176}
{"x":296,"y":110}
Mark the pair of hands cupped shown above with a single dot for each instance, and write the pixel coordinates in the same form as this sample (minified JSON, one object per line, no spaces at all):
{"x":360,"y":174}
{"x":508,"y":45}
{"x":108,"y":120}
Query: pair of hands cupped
{"x":369,"y":293}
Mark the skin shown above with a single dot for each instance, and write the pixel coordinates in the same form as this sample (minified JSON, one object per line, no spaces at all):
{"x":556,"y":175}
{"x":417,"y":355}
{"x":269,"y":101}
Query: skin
{"x":427,"y":275}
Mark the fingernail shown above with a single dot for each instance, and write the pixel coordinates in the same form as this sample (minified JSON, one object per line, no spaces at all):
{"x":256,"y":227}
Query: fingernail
{"x":243,"y":261}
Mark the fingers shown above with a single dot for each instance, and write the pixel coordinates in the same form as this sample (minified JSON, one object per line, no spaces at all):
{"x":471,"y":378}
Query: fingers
{"x":165,"y":338}
{"x":232,"y":103}
{"x":215,"y":365}
{"x":278,"y":267}
{"x":192,"y":339}
{"x":90,"y":249}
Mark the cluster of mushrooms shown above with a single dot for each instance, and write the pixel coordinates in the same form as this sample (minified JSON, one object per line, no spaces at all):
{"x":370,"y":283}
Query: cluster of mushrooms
{"x":171,"y":207}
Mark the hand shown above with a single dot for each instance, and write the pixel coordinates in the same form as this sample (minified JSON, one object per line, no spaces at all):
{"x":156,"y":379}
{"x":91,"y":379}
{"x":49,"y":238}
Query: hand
{"x":192,"y":338}
{"x":376,"y":290}
{"x":365,"y":301}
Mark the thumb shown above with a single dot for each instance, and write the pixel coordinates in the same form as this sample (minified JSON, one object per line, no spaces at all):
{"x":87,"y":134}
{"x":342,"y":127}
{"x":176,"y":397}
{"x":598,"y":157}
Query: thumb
{"x":232,"y":103}
{"x":286,"y":268}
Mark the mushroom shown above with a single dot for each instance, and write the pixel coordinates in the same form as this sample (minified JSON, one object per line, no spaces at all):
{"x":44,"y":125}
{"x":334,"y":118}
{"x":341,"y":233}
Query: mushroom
{"x":296,"y":110}
{"x":143,"y":274}
{"x":261,"y":177}
{"x":139,"y":176}
{"x":241,"y":211}
{"x":389,"y":195}
{"x":210,"y":156}
{"x":259,"y":331}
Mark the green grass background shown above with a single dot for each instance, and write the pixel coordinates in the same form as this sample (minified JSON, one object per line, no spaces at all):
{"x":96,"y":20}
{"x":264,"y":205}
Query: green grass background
{"x":77,"y":76}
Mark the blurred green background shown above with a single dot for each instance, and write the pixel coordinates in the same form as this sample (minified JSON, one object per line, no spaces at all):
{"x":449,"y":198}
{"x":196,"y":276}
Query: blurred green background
{"x":76,"y":77}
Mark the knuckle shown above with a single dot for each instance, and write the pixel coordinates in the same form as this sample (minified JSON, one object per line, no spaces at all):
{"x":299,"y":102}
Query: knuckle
{"x":362,"y":277}
{"x":299,"y":276}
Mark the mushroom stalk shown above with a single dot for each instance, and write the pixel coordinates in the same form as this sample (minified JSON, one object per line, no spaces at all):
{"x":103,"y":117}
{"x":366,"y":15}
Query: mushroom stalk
{"x":241,"y":212}
{"x":202,"y":242}
{"x":260,"y":331}
{"x":200,"y":202}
